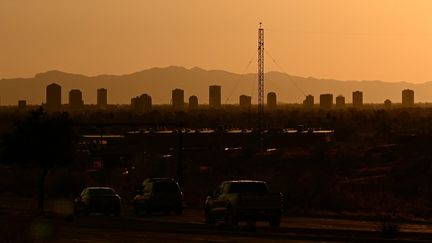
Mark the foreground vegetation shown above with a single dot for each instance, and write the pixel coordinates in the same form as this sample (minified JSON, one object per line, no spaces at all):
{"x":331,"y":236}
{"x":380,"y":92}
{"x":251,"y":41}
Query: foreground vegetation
{"x":379,"y":162}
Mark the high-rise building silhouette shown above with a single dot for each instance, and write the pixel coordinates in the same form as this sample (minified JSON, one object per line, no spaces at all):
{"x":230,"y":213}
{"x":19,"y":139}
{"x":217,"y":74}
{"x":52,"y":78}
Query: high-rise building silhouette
{"x":53,"y":97}
{"x":245,"y":102}
{"x":407,"y":98}
{"x":340,"y":102}
{"x":178,"y":99}
{"x":215,"y":96}
{"x":326,"y":101}
{"x":102,"y":98}
{"x":75,"y":100}
{"x":22,"y":105}
{"x":387,"y":104}
{"x":146,"y":101}
{"x":193,"y":102}
{"x":271,"y":100}
{"x":136,"y":105}
{"x":357,"y":99}
{"x":308,"y":102}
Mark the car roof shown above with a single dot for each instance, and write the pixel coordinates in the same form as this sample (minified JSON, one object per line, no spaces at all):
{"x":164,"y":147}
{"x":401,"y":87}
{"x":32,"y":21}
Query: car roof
{"x":248,"y":181}
{"x":99,"y":187}
{"x":159,"y":180}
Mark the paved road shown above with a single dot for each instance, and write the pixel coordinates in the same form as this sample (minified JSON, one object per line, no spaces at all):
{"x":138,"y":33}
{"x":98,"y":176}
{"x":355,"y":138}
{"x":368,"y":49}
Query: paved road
{"x":101,"y":235}
{"x":190,"y":228}
{"x":196,"y":217}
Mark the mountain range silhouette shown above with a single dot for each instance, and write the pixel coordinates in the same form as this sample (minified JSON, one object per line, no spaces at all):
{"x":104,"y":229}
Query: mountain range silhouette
{"x":159,"y":82}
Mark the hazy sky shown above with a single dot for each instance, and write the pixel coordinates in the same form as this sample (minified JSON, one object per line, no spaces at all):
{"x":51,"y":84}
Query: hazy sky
{"x":389,"y":40}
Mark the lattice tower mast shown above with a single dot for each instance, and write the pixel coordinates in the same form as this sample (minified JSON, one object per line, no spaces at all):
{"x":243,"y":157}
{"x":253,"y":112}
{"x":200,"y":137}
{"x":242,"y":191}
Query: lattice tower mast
{"x":260,"y":74}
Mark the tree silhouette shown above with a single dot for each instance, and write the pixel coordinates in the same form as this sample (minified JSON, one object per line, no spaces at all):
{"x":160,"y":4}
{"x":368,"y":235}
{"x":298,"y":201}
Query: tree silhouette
{"x":43,"y":140}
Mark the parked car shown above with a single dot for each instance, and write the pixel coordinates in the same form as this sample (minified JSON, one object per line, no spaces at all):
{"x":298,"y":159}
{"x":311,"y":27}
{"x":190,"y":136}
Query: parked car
{"x":98,"y":200}
{"x":243,"y":200}
{"x":159,"y":195}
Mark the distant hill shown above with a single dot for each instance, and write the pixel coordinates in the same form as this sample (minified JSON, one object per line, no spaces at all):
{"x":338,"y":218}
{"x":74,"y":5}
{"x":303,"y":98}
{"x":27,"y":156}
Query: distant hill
{"x":158,"y":82}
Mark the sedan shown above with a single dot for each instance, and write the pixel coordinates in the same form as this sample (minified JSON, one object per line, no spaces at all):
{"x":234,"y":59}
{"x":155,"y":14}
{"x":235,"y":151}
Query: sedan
{"x":98,"y":200}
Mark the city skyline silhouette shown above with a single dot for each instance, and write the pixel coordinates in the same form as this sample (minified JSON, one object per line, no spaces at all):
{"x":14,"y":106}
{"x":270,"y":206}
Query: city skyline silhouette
{"x":158,"y":82}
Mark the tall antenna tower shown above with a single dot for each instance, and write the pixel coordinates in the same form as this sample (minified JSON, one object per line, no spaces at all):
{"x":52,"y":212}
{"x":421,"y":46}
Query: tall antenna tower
{"x":260,"y":74}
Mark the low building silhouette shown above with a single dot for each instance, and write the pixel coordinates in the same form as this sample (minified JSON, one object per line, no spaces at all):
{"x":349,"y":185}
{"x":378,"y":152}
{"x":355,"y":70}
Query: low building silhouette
{"x":271,"y":100}
{"x":102,"y":98}
{"x":245,"y":102}
{"x":326,"y":101}
{"x":340,"y":102}
{"x":387,"y":104}
{"x":142,"y":103}
{"x":407,"y":98}
{"x":308,"y":102}
{"x":357,"y":99}
{"x":22,"y":105}
{"x":193,"y":102}
{"x":76,"y":102}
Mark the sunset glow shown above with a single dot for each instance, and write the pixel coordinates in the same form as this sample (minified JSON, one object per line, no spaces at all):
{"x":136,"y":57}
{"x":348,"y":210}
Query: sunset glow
{"x":387,"y":40}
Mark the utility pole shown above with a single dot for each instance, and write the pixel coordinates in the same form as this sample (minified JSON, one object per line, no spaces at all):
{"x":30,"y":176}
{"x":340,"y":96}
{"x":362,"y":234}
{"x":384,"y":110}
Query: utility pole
{"x":179,"y":169}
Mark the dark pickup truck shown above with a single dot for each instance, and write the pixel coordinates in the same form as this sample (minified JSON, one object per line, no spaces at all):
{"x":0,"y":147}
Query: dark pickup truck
{"x":243,"y":200}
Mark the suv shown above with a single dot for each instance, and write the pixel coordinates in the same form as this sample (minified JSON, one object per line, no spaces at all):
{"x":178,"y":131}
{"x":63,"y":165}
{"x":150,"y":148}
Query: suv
{"x":159,"y":195}
{"x":243,"y":200}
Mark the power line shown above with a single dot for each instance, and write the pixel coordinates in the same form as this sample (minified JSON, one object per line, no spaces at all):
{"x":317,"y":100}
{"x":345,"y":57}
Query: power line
{"x":241,"y":77}
{"x":283,"y":71}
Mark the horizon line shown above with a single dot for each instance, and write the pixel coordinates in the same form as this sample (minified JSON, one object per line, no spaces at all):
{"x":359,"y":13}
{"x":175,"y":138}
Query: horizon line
{"x":211,"y":70}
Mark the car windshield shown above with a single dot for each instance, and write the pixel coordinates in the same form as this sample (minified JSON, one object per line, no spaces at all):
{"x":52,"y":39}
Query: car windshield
{"x":165,"y":187}
{"x":101,"y":192}
{"x":248,"y":187}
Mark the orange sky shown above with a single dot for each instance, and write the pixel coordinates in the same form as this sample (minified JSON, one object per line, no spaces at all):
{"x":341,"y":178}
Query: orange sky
{"x":390,"y":40}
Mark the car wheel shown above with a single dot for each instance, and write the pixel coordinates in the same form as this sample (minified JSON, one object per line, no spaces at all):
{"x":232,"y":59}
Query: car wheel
{"x":136,"y":209}
{"x":230,"y":218}
{"x":85,"y":211}
{"x":209,"y":219}
{"x":148,"y":211}
{"x":179,"y":211}
{"x":275,"y":222}
{"x":145,"y":207}
{"x":76,"y":210}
